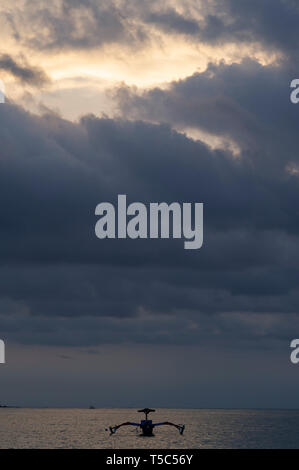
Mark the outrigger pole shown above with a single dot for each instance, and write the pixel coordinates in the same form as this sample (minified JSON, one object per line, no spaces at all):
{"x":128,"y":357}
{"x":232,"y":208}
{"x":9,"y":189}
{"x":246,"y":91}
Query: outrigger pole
{"x":146,"y":425}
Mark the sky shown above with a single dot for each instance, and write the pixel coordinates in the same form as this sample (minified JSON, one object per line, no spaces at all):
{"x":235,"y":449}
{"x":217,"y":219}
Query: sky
{"x":161,"y":101}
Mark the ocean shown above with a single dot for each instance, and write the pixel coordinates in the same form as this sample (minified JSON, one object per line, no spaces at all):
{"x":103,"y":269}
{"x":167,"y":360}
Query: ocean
{"x":205,"y":429}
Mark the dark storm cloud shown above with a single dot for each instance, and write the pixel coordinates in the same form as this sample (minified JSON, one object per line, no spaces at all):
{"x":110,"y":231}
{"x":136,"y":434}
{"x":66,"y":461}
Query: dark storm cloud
{"x":56,"y":273}
{"x":229,"y":330}
{"x":68,"y":24}
{"x":23,"y":72}
{"x":171,"y":21}
{"x":272,"y":23}
{"x":245,"y":102}
{"x":59,"y":284}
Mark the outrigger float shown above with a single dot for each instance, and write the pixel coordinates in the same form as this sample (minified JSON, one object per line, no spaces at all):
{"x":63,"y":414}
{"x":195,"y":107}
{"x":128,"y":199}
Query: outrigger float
{"x":146,"y":425}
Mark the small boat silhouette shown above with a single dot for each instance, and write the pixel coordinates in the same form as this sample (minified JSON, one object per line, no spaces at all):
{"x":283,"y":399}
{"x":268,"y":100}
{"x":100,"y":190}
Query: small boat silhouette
{"x":146,"y":425}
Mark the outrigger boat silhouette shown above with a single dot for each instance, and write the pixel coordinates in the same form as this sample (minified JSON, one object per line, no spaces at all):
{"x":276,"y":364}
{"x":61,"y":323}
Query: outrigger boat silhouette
{"x":146,"y":425}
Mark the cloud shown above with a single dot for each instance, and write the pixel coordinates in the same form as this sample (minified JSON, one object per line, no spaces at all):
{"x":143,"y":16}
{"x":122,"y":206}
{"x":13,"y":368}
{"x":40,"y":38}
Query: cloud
{"x":24,"y":73}
{"x":54,"y":172}
{"x":245,"y":102}
{"x":88,"y":24}
{"x":173,"y":22}
{"x":272,"y":24}
{"x":67,"y":24}
{"x":55,"y":272}
{"x":233,"y":304}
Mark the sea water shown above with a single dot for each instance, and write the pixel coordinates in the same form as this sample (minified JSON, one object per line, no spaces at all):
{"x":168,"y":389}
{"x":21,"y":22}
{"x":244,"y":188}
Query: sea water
{"x":84,"y":428}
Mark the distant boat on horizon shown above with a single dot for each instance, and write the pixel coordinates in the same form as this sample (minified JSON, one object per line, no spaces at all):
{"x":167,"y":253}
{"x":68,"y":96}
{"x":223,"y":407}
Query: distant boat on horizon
{"x":9,"y":406}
